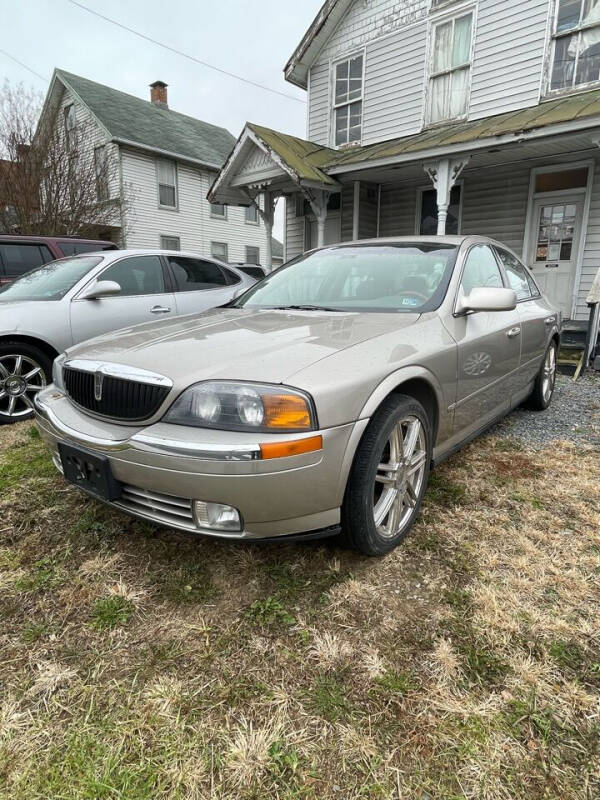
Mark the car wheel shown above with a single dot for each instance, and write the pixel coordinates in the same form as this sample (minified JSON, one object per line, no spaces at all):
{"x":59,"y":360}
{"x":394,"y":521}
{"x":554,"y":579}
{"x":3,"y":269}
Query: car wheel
{"x":388,"y":477}
{"x":543,"y":388}
{"x":24,"y":370}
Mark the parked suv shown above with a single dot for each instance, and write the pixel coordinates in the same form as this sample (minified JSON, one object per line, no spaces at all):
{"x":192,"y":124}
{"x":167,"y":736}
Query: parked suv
{"x":19,"y":254}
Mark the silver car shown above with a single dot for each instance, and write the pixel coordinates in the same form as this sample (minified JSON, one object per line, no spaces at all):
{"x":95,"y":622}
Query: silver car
{"x":67,"y":301}
{"x":319,"y":401}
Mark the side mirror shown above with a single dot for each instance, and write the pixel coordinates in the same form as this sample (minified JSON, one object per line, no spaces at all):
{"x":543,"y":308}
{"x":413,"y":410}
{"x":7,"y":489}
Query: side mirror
{"x":100,"y":289}
{"x":488,"y":298}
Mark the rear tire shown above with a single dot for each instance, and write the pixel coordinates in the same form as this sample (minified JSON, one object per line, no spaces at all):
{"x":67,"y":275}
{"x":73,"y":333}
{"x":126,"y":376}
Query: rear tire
{"x":543,"y":388}
{"x":24,"y":370}
{"x":388,"y":477}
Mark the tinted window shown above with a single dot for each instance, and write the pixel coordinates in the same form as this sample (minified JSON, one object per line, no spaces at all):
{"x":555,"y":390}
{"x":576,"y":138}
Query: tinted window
{"x":50,"y":282}
{"x":193,"y":274}
{"x":136,"y":275}
{"x":230,"y":276}
{"x":516,"y":274}
{"x":19,"y":258}
{"x":254,"y":272}
{"x":74,"y":248}
{"x":481,"y":269}
{"x":401,"y":277}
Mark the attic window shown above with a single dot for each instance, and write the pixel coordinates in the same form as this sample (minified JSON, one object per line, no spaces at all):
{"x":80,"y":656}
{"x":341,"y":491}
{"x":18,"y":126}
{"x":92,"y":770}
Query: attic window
{"x":347,"y":101}
{"x":70,"y":122}
{"x":576,"y":44}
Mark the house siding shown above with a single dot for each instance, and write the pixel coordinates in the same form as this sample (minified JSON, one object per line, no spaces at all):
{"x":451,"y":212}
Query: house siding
{"x":509,"y":55}
{"x":318,"y":105}
{"x":591,"y":253}
{"x":192,"y":222}
{"x":294,"y":230}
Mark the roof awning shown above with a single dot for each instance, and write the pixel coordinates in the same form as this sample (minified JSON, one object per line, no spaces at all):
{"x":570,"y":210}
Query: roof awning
{"x":263,"y":159}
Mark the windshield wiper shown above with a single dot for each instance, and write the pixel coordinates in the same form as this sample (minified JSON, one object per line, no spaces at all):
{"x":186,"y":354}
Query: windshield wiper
{"x":305,"y":307}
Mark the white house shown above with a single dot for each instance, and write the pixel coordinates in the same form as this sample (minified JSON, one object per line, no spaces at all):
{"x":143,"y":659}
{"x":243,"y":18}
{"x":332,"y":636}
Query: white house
{"x":164,"y":163}
{"x":425,"y":116}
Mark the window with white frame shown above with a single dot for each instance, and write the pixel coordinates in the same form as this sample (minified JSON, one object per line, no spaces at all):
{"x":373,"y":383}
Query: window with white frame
{"x":218,"y":210}
{"x":575,"y":44}
{"x":450,"y":67}
{"x":101,"y":168}
{"x":219,"y":250}
{"x":167,"y":183}
{"x":347,"y":100}
{"x":252,"y":215}
{"x":170,"y":243}
{"x":252,"y":254}
{"x":70,"y":122}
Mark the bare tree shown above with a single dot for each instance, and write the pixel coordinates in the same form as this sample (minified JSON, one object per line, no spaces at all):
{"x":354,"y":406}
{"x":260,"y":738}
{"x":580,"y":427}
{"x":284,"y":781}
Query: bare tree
{"x":56,"y":176}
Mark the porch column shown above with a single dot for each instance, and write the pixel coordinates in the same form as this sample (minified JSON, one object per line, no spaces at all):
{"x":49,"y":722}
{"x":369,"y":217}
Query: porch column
{"x":318,"y":203}
{"x":356,"y":210}
{"x":443,"y":174}
{"x":267,"y":215}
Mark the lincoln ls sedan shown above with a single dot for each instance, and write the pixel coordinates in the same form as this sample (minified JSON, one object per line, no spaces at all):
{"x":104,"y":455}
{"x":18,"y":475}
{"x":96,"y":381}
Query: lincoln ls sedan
{"x":315,"y":403}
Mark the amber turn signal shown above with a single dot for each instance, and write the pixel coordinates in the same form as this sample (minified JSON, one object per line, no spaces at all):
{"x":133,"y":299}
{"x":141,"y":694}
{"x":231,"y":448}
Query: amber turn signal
{"x":295,"y":448}
{"x":286,"y":411}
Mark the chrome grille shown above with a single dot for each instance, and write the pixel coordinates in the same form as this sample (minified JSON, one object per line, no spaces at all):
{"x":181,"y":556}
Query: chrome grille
{"x":163,"y":508}
{"x":120,"y":398}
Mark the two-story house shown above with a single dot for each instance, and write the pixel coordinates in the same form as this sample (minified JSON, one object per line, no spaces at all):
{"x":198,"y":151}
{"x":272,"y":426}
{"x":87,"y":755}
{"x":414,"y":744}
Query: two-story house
{"x":442,"y":116}
{"x":162,"y":164}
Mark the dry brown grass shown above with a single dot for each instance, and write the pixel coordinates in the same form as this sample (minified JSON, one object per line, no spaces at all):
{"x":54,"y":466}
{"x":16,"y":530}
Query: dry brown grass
{"x":140,"y":663}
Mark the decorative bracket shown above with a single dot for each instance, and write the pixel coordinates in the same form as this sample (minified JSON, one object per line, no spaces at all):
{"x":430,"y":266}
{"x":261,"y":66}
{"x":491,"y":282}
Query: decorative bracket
{"x":443,"y":174}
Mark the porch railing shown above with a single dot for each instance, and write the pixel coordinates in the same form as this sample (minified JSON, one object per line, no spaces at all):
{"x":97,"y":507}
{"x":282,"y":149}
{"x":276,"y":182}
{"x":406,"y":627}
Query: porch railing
{"x":591,"y":342}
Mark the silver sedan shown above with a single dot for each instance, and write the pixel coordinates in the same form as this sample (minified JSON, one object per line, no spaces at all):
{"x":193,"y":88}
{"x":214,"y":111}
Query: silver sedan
{"x":68,"y":301}
{"x":318,"y":401}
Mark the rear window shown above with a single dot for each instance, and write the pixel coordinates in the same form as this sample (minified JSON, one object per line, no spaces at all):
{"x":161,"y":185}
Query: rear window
{"x":75,"y":248}
{"x":254,"y":272}
{"x":17,"y":258}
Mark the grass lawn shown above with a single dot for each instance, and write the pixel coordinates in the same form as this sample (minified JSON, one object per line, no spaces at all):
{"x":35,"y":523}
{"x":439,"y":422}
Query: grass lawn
{"x":139,"y":663}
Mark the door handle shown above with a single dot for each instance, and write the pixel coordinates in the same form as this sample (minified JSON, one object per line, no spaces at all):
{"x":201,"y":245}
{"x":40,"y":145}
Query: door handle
{"x":549,"y":320}
{"x":159,"y":310}
{"x":513,"y":332}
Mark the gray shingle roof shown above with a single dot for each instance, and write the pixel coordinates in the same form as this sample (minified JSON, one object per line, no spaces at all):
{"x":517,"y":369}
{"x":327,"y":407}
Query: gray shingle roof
{"x":129,"y":118}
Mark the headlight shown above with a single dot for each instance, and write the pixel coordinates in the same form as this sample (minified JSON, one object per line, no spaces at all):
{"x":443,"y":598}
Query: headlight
{"x":57,"y":373}
{"x":243,"y":407}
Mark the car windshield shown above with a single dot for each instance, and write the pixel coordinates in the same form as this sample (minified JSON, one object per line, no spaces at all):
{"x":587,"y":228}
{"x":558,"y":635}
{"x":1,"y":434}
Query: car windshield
{"x":50,"y":282}
{"x":411,"y":276}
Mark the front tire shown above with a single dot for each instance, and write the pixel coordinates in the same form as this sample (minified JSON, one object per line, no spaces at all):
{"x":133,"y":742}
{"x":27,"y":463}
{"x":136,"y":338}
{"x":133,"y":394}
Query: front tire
{"x":24,"y":370}
{"x":388,"y":477}
{"x":543,"y":388}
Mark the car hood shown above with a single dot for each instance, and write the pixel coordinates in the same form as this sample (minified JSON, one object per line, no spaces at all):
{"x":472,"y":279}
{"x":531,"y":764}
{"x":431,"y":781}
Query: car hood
{"x":239,"y":344}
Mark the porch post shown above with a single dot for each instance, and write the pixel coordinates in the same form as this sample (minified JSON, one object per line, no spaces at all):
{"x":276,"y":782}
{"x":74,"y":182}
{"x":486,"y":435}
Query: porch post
{"x":355,"y":210}
{"x":318,"y":203}
{"x":443,"y":174}
{"x":267,"y":215}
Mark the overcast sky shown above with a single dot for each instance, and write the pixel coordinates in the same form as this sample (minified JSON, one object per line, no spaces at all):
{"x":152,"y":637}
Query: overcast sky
{"x":248,"y":38}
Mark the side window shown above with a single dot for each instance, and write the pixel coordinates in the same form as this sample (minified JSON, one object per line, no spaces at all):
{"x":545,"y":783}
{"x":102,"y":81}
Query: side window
{"x":231,"y":277}
{"x":193,"y":274}
{"x":20,"y":258}
{"x":481,"y":269}
{"x":137,"y":275}
{"x":516,"y":274}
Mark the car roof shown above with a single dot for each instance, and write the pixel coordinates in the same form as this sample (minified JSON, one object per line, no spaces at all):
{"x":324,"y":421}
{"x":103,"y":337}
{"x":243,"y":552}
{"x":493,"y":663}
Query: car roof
{"x":4,"y":237}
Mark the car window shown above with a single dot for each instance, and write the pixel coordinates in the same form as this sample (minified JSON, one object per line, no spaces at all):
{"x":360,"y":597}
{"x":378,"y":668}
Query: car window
{"x":74,"y":248}
{"x":481,"y":269}
{"x":231,"y":277}
{"x":19,"y":258}
{"x":194,"y":274}
{"x":136,"y":275}
{"x":516,"y":274}
{"x":50,"y":282}
{"x":254,"y":272}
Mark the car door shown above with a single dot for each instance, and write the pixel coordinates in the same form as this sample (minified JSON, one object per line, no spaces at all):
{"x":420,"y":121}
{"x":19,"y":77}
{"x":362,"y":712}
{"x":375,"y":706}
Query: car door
{"x":143,"y":298}
{"x":536,"y":315}
{"x":201,"y":284}
{"x":488,"y":348}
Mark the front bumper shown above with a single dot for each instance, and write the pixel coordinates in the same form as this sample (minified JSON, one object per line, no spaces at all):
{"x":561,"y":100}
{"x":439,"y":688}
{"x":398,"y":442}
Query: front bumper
{"x":164,"y":467}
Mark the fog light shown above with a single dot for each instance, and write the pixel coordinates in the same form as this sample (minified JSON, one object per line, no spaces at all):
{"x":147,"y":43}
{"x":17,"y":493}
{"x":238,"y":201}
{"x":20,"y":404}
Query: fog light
{"x":217,"y":516}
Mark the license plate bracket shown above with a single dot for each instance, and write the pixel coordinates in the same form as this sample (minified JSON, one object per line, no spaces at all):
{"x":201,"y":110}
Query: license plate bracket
{"x":89,"y":471}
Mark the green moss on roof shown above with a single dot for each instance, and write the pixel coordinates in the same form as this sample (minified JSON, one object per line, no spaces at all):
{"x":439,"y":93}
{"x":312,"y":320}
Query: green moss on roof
{"x":130,"y":118}
{"x":303,"y":158}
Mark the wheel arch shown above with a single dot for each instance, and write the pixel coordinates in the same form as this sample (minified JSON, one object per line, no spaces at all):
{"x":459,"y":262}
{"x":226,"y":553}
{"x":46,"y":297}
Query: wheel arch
{"x":33,"y":341}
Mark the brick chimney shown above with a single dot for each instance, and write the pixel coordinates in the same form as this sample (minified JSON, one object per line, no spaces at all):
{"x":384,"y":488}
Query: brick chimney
{"x":158,"y":94}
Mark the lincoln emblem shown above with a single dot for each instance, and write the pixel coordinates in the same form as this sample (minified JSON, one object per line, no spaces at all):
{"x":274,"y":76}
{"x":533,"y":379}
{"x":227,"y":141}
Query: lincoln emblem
{"x":98,"y":378}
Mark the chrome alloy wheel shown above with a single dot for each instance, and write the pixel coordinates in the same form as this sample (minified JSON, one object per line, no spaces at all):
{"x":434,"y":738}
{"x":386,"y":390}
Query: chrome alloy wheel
{"x":20,"y":379}
{"x":399,"y":477}
{"x":549,"y":373}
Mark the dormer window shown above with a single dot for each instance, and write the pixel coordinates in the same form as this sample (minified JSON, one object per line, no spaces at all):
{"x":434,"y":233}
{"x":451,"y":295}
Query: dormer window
{"x":450,"y":67}
{"x":576,"y":44}
{"x":347,"y":102}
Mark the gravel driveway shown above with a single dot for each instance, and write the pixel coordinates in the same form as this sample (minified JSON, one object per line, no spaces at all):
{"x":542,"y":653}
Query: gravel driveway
{"x":574,"y":415}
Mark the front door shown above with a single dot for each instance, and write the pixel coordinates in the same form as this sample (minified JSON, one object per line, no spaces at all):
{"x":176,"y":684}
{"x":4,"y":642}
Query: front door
{"x":556,"y":238}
